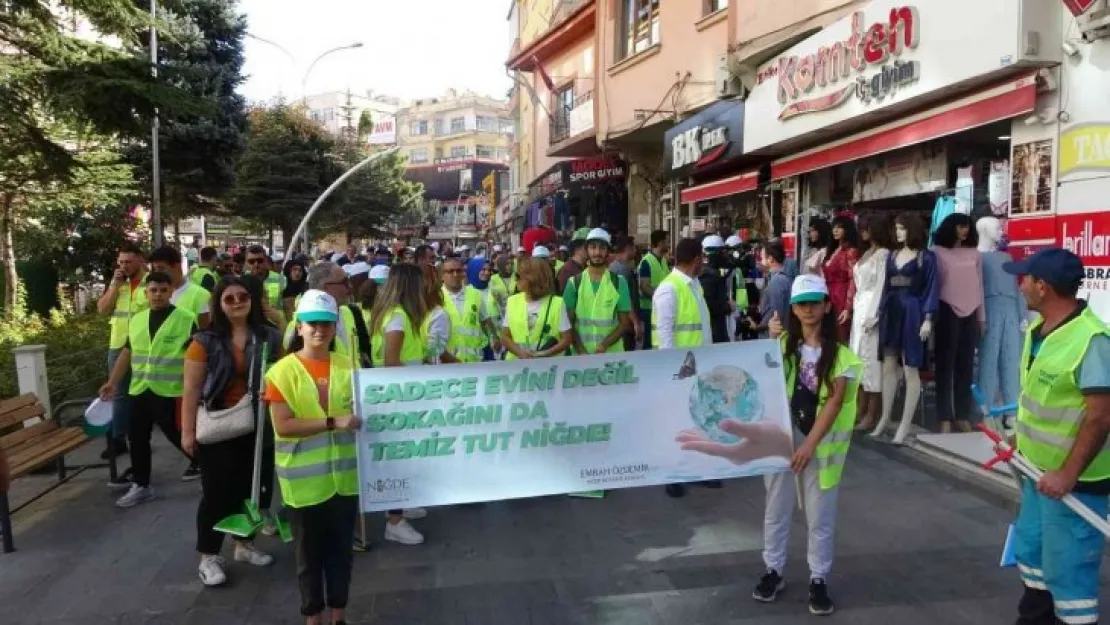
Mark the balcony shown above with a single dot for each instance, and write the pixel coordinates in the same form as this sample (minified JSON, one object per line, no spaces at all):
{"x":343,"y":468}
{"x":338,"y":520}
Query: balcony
{"x":571,"y":133}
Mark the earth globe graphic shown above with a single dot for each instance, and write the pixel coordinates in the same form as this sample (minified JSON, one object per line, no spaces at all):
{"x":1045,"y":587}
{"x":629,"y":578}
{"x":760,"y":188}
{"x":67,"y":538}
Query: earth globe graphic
{"x":726,"y":392}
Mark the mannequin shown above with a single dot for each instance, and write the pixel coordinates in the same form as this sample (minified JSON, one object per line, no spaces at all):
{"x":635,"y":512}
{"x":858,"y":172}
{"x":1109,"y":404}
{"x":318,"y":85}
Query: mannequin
{"x":908,"y":305}
{"x":1000,"y":348}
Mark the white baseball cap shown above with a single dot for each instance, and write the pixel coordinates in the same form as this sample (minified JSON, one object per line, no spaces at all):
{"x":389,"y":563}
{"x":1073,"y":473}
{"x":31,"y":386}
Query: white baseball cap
{"x":379,"y":273}
{"x":498,"y":248}
{"x":317,"y":306}
{"x":733,"y":241}
{"x":808,"y":288}
{"x":541,"y":252}
{"x":712,"y":241}
{"x":598,"y":234}
{"x":356,"y":269}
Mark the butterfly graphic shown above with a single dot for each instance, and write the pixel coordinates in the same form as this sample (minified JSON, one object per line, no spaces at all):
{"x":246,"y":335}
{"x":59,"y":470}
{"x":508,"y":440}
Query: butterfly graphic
{"x":688,"y":369}
{"x":770,"y":361}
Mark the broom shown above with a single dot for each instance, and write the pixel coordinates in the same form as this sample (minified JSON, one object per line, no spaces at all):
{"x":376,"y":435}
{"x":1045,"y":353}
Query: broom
{"x":247,"y":523}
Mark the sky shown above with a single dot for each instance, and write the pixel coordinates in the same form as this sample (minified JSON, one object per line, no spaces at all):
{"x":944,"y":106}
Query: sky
{"x":412,"y":48}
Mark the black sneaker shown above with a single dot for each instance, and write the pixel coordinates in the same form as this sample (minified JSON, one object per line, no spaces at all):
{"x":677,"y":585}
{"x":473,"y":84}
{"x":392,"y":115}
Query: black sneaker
{"x":191,"y":473}
{"x":676,"y":490}
{"x":115,"y":448}
{"x":769,"y":587}
{"x":122,"y":481}
{"x":819,"y":602}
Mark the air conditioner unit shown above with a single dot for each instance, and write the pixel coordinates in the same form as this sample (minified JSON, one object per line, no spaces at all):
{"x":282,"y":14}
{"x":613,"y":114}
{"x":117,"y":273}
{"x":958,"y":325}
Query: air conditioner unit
{"x":734,"y":78}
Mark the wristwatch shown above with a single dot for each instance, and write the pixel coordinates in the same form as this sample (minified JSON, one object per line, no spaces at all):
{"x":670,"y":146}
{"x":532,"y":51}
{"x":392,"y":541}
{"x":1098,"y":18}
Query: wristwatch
{"x":331,"y":423}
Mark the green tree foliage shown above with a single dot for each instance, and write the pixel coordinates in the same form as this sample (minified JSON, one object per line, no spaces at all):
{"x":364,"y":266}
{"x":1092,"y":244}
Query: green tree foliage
{"x":285,"y":166}
{"x":370,"y":197}
{"x":202,"y":46}
{"x":365,"y":125}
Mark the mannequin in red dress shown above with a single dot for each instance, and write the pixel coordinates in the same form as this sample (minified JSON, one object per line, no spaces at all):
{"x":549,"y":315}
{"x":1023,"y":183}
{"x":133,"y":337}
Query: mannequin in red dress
{"x":840,"y":260}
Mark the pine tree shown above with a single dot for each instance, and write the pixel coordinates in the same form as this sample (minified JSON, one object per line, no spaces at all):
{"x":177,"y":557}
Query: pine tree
{"x":366,"y":202}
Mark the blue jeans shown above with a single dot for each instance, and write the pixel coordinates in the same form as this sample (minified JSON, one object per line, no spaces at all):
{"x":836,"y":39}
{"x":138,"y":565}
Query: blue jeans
{"x":1057,"y":551}
{"x":121,"y":403}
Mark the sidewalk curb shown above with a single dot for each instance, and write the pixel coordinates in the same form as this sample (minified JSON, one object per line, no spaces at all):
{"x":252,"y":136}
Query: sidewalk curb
{"x":998,"y":490}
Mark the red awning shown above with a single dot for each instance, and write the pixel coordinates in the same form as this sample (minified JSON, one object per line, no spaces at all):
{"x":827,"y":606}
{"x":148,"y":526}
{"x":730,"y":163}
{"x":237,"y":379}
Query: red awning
{"x":1003,"y":101}
{"x":747,"y":181}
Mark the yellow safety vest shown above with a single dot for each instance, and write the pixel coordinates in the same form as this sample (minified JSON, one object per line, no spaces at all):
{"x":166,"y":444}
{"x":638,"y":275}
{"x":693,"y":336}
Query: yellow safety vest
{"x":740,"y":287}
{"x":595,"y":314}
{"x":467,"y":337}
{"x":412,"y":350}
{"x":272,"y":288}
{"x":346,"y":337}
{"x":158,"y":362}
{"x":128,"y":304}
{"x":313,"y":469}
{"x":1052,"y":407}
{"x":832,"y":451}
{"x":500,"y":290}
{"x":193,"y":298}
{"x":516,"y":312}
{"x":200,"y":272}
{"x":687,"y":319}
{"x":659,"y":272}
{"x":558,"y":266}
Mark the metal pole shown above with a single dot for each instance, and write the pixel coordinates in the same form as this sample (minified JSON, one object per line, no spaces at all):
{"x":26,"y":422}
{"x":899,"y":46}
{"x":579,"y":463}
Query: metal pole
{"x":156,"y":174}
{"x":312,"y":65}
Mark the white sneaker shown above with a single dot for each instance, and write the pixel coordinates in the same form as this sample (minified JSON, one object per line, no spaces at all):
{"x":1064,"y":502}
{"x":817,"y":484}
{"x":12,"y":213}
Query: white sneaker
{"x":135,"y":496}
{"x":413,"y":514}
{"x":211,"y":571}
{"x":403,"y":533}
{"x":269,"y":526}
{"x":247,"y":552}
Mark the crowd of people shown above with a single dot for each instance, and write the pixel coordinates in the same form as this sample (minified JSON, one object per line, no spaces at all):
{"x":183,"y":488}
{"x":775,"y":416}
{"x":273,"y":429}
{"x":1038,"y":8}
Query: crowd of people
{"x":235,"y":334}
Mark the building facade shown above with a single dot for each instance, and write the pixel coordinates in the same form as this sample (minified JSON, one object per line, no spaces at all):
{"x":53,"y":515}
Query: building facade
{"x":340,"y":111}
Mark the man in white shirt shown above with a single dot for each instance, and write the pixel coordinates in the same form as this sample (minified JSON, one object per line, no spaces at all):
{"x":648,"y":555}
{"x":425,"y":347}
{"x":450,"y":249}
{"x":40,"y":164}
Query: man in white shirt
{"x":688,"y":262}
{"x":664,"y":302}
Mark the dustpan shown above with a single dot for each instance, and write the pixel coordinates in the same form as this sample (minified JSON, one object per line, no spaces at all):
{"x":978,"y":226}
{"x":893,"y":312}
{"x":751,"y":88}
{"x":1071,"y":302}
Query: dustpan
{"x":588,"y":494}
{"x":248,"y":522}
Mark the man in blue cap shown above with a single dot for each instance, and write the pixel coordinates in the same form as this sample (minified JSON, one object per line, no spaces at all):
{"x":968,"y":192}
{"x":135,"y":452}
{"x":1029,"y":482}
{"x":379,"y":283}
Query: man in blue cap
{"x":1062,"y":425}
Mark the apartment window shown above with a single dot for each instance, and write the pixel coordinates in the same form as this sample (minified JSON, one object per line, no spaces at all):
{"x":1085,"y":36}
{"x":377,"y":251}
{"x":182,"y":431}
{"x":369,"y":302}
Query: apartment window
{"x":485,"y":124}
{"x":420,"y":127}
{"x":484,"y":151}
{"x":458,"y":124}
{"x":564,"y":103}
{"x":418,"y":156}
{"x":503,"y":154}
{"x":640,"y":26}
{"x":506,"y":125}
{"x":439,"y":126}
{"x":712,"y":6}
{"x":458,"y":151}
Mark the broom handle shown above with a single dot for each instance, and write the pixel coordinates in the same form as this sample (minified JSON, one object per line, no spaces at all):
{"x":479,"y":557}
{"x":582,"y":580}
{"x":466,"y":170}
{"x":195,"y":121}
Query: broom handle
{"x":259,"y":424}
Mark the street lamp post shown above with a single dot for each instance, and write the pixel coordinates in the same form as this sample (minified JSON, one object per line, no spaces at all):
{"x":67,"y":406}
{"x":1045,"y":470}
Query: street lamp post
{"x":155,"y":164}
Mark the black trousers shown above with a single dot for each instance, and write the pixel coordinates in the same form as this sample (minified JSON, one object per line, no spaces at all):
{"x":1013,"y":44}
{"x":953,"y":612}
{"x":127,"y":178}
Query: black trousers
{"x":266,"y":495}
{"x":148,"y":410}
{"x":226,"y":469}
{"x":956,"y":339}
{"x":322,"y":536}
{"x":1037,"y":608}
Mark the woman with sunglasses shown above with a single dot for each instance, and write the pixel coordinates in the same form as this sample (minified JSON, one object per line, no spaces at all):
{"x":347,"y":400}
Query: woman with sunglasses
{"x":218,"y":365}
{"x":312,"y":408}
{"x":396,"y":340}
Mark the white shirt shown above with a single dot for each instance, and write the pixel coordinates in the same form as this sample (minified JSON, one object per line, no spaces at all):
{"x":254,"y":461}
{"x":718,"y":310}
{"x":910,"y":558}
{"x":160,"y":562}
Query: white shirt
{"x":205,"y":308}
{"x":664,"y":304}
{"x":439,"y":331}
{"x":459,"y":299}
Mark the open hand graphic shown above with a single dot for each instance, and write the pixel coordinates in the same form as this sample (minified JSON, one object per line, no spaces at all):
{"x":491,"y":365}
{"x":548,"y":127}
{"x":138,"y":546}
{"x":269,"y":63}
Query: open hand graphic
{"x":763,"y":439}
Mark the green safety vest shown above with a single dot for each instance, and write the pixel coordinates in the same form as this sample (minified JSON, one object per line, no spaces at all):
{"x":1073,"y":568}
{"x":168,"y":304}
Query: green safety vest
{"x":158,"y":362}
{"x":412,"y":349}
{"x":1051,"y":407}
{"x":832,"y":451}
{"x":313,"y":469}
{"x":500,"y":289}
{"x":659,"y":273}
{"x":200,"y":272}
{"x":128,"y":304}
{"x":272,"y":286}
{"x":467,"y":337}
{"x":346,"y":339}
{"x":558,"y":266}
{"x":193,"y":298}
{"x":687,"y":320}
{"x":516,"y":312}
{"x":595,"y":314}
{"x":741,"y":290}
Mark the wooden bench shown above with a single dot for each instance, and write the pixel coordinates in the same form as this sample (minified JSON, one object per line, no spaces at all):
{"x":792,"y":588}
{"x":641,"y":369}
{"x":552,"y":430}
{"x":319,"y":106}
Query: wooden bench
{"x":29,"y":447}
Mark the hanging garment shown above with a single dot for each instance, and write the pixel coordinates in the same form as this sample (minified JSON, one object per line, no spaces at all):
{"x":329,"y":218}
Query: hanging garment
{"x":1000,"y":348}
{"x":945,"y":206}
{"x":869,"y":275}
{"x":838,"y":276}
{"x":561,"y":213}
{"x":909,"y":293}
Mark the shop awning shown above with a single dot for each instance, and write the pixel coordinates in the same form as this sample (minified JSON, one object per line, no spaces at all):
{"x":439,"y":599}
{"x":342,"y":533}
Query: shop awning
{"x":1004,"y":101}
{"x":747,"y":181}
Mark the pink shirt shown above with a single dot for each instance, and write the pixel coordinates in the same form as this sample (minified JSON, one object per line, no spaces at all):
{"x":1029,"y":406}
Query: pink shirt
{"x":960,"y":271}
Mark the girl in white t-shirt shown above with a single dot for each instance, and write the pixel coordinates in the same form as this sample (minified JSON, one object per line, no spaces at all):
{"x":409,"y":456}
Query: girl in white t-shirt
{"x":437,"y":326}
{"x":535,"y":324}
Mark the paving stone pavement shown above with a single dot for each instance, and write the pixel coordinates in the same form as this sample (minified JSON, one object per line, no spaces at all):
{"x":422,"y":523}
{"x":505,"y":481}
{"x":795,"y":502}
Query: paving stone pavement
{"x":911,"y":549}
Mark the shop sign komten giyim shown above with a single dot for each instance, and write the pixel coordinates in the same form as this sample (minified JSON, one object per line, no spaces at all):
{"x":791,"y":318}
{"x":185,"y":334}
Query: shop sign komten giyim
{"x":889,"y":54}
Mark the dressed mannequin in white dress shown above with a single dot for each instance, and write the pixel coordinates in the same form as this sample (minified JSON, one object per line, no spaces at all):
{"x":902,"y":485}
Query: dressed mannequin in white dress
{"x":869,"y":276}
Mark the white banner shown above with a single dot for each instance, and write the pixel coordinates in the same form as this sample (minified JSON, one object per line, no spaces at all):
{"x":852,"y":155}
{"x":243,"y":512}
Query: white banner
{"x":451,"y":434}
{"x":384,"y":131}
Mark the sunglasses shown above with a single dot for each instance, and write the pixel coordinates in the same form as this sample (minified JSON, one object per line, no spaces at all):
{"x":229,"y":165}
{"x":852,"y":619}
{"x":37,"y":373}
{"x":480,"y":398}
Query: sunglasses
{"x":233,"y":299}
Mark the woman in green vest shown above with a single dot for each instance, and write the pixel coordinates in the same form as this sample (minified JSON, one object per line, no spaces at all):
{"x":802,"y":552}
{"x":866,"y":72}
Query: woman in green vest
{"x":400,"y":311}
{"x":536,"y":324}
{"x":317,"y":457}
{"x":822,"y":380}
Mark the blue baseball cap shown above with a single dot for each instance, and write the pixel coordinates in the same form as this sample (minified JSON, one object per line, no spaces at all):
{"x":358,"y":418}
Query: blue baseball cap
{"x":1054,"y":265}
